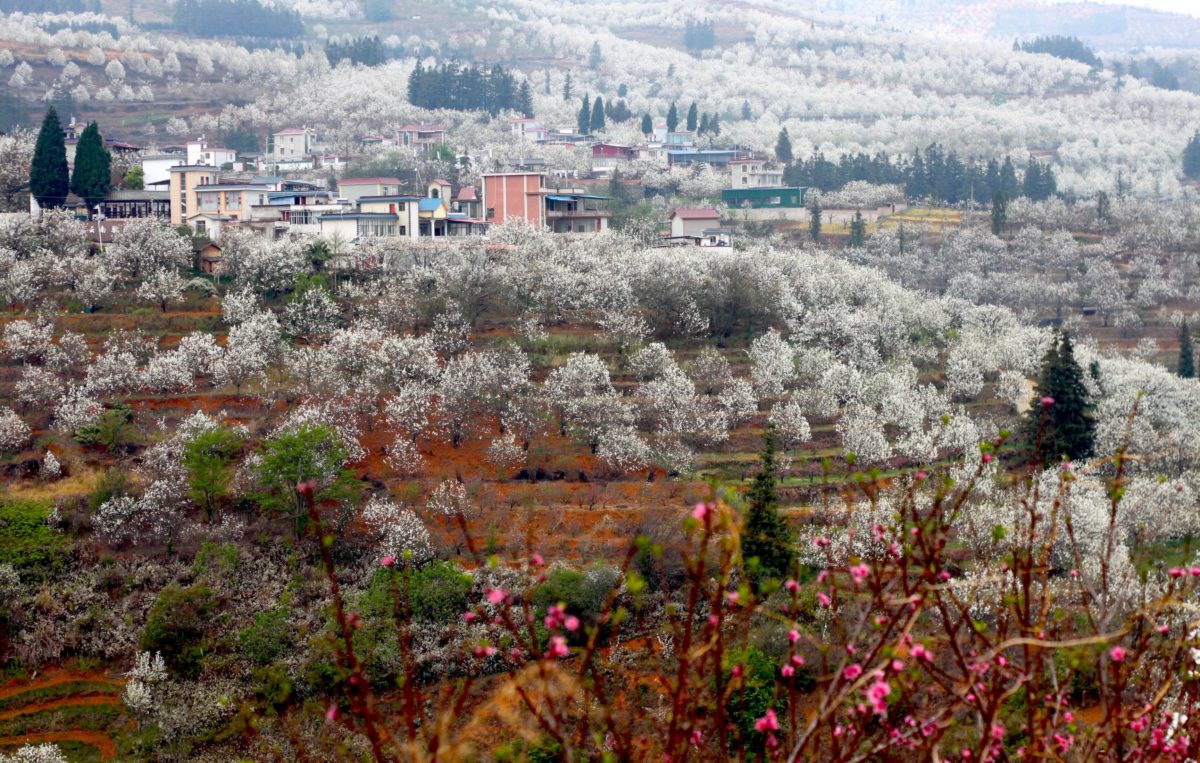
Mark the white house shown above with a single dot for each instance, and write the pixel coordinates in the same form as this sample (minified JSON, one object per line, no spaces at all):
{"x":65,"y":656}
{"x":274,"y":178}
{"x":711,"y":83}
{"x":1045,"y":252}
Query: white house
{"x":753,"y":173}
{"x":199,"y":152}
{"x":291,"y":144}
{"x":693,"y":222}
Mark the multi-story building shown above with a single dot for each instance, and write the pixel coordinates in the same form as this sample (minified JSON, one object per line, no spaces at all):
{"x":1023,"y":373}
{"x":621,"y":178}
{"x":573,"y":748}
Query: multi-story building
{"x":291,"y":144}
{"x":376,"y":216}
{"x":524,"y":196}
{"x":422,"y":136}
{"x":754,"y":173}
{"x":199,"y":152}
{"x":353,"y":189}
{"x":185,"y":179}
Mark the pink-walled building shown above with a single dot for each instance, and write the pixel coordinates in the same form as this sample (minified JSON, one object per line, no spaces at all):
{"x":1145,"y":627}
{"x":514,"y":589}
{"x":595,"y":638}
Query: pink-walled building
{"x":515,"y":194}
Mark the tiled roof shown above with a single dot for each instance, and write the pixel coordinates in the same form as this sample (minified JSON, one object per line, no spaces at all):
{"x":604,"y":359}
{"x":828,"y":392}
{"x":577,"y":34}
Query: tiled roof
{"x":705,"y":213}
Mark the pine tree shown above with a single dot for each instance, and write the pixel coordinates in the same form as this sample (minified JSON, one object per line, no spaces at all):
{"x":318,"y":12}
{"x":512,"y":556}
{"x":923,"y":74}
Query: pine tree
{"x":693,"y":117}
{"x":525,"y":100}
{"x":647,"y":124}
{"x":1060,"y":422}
{"x":584,"y":121}
{"x":703,"y":128}
{"x":766,"y":535}
{"x":858,"y":230}
{"x":1187,"y":363}
{"x":714,"y":125}
{"x":783,"y":147}
{"x":814,"y":218}
{"x":1191,"y":158}
{"x":595,"y":58}
{"x":567,"y":92}
{"x":1008,"y":179}
{"x":672,"y":118}
{"x":746,"y":113}
{"x":1103,"y":207}
{"x":999,"y":213}
{"x":597,"y":123}
{"x":48,"y":179}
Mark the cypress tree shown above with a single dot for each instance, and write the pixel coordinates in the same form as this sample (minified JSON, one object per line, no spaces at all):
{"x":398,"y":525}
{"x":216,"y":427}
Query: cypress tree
{"x":999,"y":213}
{"x":92,"y":178}
{"x":525,"y":100}
{"x":783,"y":147}
{"x":703,"y":128}
{"x":567,"y":92}
{"x":672,"y":117}
{"x":693,"y":118}
{"x":597,"y":123}
{"x":1060,"y":422}
{"x":814,"y":219}
{"x":584,"y":121}
{"x":595,"y":57}
{"x":647,"y":124}
{"x":48,"y":179}
{"x":858,"y":230}
{"x":1191,"y":158}
{"x":766,"y":536}
{"x":1187,"y":363}
{"x":714,"y":125}
{"x":746,"y":113}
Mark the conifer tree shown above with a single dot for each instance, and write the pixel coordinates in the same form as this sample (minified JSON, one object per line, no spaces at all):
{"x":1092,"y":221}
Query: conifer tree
{"x":595,"y":58}
{"x":672,"y":117}
{"x":693,"y":117}
{"x":1187,"y":362}
{"x":1191,"y":158}
{"x":584,"y":121}
{"x":525,"y":100}
{"x":597,"y":123}
{"x":858,"y":230}
{"x":766,"y":535}
{"x":48,"y":179}
{"x":783,"y":147}
{"x":746,"y":113}
{"x":999,"y":213}
{"x":92,"y":179}
{"x":814,"y":219}
{"x":714,"y":125}
{"x":567,"y":92}
{"x":647,"y":124}
{"x":703,"y":128}
{"x":1060,"y":423}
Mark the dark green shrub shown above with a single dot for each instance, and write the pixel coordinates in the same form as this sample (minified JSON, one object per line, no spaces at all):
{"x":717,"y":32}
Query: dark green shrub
{"x":265,"y":639}
{"x":176,"y":626}
{"x":114,"y":430}
{"x":26,"y":541}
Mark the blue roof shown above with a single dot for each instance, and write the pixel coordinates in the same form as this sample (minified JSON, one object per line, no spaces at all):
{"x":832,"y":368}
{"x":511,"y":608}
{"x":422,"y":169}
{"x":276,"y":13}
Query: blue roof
{"x":429,"y":205}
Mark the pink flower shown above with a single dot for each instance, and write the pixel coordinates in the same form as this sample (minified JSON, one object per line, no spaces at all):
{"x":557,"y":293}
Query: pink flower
{"x":787,"y":671}
{"x":388,"y":561}
{"x":331,"y":714}
{"x":998,"y":731}
{"x":792,"y":586}
{"x":1164,"y":629}
{"x":714,"y":621}
{"x":1074,"y":573}
{"x":821,"y":542}
{"x":469,"y":617}
{"x":876,"y":694}
{"x":537,"y":560}
{"x":697,"y":737}
{"x":571,"y":623}
{"x":733,"y":597}
{"x":897,"y":665}
{"x":987,"y":458}
{"x":1195,"y":571}
{"x":797,"y":660}
{"x":852,"y":671}
{"x":496,"y":595}
{"x":859,"y":572}
{"x":768,"y":722}
{"x":1118,"y":653}
{"x":558,"y":647}
{"x":699,"y":512}
{"x":921,"y":476}
{"x":824,"y":600}
{"x":1047,"y":401}
{"x":1176,"y":572}
{"x":822,"y":576}
{"x":793,"y":636}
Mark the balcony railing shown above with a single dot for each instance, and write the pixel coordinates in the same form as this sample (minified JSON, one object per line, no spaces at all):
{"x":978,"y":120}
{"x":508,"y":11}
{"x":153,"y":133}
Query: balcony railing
{"x":578,"y":213}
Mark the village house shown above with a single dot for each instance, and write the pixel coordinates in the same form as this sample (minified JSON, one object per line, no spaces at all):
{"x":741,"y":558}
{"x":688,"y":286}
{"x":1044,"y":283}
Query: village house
{"x":291,"y":144}
{"x":466,"y":202}
{"x":422,"y":137}
{"x":690,"y":222}
{"x":352,"y":189}
{"x":754,"y":173}
{"x":524,"y":196}
{"x":185,"y":179}
{"x":528,"y":129}
{"x":393,"y":216}
{"x":607,"y":157}
{"x":199,"y":152}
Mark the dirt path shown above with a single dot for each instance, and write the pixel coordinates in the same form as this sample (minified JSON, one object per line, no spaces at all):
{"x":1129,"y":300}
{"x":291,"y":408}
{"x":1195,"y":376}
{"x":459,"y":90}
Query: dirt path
{"x":57,"y":678}
{"x":98,"y":739}
{"x":58,"y":703}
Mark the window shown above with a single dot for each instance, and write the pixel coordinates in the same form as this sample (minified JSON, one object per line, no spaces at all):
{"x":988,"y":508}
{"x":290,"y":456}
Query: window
{"x":233,"y":200}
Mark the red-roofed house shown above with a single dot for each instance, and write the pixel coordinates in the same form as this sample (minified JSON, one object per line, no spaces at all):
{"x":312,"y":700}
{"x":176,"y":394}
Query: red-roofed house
{"x":692,"y":222}
{"x":467,"y":202}
{"x":353,"y":189}
{"x":528,"y":128}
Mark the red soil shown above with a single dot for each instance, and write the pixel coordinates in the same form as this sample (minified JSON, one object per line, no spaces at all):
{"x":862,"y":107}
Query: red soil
{"x":98,"y":739}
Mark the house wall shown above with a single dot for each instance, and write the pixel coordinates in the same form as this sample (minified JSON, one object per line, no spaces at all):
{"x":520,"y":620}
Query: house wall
{"x":514,"y":195}
{"x":682,"y":227}
{"x":183,"y":192}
